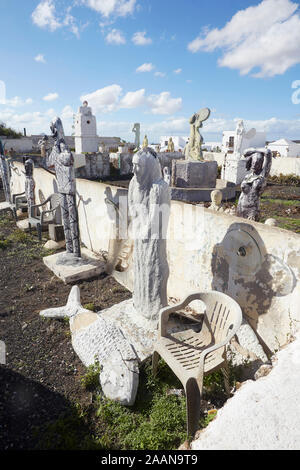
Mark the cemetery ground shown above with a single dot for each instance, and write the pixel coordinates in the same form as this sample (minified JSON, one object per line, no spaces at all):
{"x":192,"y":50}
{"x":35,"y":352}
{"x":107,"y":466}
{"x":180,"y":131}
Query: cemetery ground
{"x":48,"y":399}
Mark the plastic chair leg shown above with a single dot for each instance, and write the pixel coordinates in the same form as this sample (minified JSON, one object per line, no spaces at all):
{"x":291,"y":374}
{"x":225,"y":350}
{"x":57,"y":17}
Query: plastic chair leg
{"x":155,"y":358}
{"x":193,"y":400}
{"x":39,"y":231}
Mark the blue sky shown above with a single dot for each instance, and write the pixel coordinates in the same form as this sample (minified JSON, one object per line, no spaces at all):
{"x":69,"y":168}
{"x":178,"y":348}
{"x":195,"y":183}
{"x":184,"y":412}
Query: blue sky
{"x":152,"y":61}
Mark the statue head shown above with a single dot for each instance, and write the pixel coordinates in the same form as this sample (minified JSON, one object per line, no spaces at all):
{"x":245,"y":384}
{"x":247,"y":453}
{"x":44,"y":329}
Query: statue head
{"x":146,"y":167}
{"x":216,"y":197}
{"x":29,"y":165}
{"x":57,"y":129}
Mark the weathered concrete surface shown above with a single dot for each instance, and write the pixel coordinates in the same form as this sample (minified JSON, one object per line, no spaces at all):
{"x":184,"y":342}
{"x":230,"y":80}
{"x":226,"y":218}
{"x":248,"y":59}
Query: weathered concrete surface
{"x":202,"y":194}
{"x":262,"y":414}
{"x":86,"y":267}
{"x":189,"y":174}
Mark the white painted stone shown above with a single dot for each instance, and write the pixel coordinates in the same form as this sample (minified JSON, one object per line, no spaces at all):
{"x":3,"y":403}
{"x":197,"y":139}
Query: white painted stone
{"x":263,"y":414}
{"x":23,"y":225}
{"x":53,"y":245}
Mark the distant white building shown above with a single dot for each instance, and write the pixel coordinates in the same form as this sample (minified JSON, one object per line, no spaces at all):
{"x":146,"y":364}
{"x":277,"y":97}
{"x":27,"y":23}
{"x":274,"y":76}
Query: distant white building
{"x":228,"y":140}
{"x":86,"y":139}
{"x":179,"y":142}
{"x":285,"y":147}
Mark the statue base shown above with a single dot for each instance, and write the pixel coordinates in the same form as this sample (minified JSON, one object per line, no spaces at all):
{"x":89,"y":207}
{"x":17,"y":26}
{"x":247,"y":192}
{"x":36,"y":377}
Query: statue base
{"x":71,"y":269}
{"x":194,"y":174}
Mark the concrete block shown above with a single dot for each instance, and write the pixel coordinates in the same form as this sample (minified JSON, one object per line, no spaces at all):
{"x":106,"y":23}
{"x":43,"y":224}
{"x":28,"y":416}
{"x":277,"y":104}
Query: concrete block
{"x":189,"y":174}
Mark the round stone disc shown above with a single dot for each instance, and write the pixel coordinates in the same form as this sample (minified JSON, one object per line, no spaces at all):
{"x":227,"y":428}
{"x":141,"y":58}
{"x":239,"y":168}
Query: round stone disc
{"x":204,"y":114}
{"x":242,"y":252}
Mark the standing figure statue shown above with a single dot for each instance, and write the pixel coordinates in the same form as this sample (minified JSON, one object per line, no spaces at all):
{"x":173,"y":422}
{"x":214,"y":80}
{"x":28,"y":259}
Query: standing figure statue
{"x":63,"y":161}
{"x":145,"y":142}
{"x":193,"y":149}
{"x":258,"y":164}
{"x":149,"y":207}
{"x":29,"y":184}
{"x":239,"y":136}
{"x":171,"y":147}
{"x":42,"y":143}
{"x":137,"y":130}
{"x":4,"y":173}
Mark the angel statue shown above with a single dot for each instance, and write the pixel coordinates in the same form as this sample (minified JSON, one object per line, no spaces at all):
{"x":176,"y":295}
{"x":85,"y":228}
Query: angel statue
{"x":193,"y":149}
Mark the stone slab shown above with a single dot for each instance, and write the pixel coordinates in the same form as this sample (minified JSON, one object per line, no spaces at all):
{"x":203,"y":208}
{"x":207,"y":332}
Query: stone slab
{"x":89,"y":267}
{"x":189,"y":174}
{"x":263,"y":414}
{"x":200,"y":194}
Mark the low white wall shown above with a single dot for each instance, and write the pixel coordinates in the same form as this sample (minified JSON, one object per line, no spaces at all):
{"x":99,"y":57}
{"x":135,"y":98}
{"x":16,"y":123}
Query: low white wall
{"x":202,"y":254}
{"x":24,"y":144}
{"x":284,"y":165}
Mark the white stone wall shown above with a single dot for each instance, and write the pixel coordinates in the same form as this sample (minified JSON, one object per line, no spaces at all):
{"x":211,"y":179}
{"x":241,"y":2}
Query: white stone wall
{"x":202,"y":254}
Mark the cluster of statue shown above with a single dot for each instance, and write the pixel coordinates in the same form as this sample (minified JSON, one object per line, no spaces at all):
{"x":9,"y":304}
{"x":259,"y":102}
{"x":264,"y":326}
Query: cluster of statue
{"x":258,"y":165}
{"x":63,"y":161}
{"x":193,"y":150}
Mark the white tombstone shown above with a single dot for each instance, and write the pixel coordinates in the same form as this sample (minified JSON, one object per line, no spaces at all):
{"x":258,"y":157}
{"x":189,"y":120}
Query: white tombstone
{"x":86,"y":139}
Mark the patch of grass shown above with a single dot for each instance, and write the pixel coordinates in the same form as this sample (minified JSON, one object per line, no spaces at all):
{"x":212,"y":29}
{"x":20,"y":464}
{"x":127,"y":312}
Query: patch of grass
{"x":288,"y":223}
{"x":285,"y":202}
{"x":157,"y":421}
{"x":90,"y":307}
{"x":90,"y":380}
{"x":4,"y":244}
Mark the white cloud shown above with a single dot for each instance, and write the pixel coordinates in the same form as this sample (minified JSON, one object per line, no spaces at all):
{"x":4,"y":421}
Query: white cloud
{"x":35,"y":122}
{"x":147,"y":67}
{"x":112,"y":7}
{"x":160,"y":74}
{"x":139,"y":39}
{"x":40,"y":58}
{"x":115,"y":36}
{"x":105,"y":99}
{"x":164,"y":103}
{"x":110,"y":98}
{"x":133,"y":99}
{"x":44,"y":15}
{"x":70,"y":21}
{"x":177,"y":71}
{"x":51,"y":97}
{"x":17,"y":102}
{"x":265,"y":36}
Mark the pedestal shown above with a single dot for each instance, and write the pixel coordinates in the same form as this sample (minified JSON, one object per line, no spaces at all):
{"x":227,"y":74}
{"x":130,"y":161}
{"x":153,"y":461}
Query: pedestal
{"x":72,"y":270}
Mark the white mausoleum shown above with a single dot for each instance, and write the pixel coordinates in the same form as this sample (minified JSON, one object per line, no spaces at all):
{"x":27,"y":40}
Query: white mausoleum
{"x":286,"y":148}
{"x":258,"y":140}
